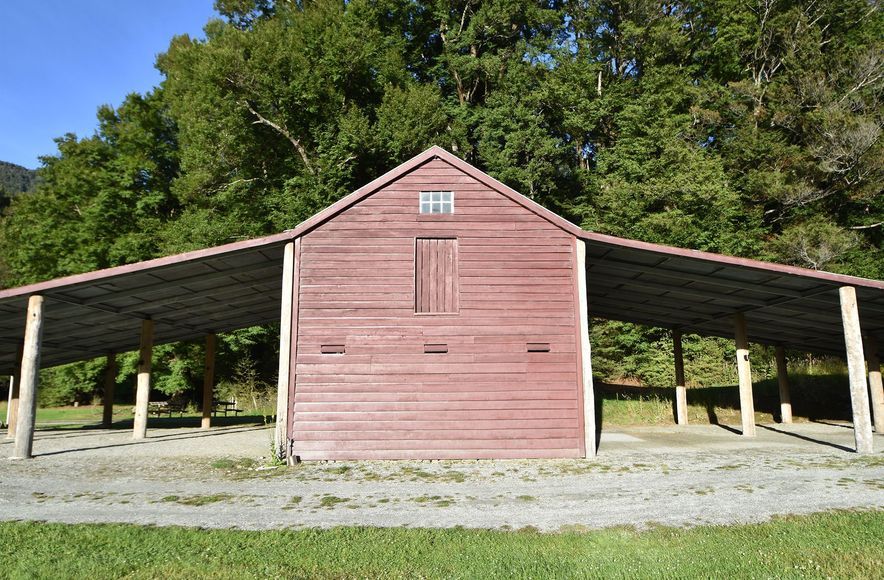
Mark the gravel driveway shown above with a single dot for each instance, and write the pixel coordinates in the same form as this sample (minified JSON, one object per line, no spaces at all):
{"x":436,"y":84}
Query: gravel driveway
{"x":677,"y":476}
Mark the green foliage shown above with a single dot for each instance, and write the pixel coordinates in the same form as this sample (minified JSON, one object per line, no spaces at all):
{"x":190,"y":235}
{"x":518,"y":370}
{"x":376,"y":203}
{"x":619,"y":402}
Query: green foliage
{"x":834,"y":545}
{"x":410,"y":119}
{"x":628,"y":352}
{"x":247,"y":387}
{"x":72,"y":383}
{"x":750,"y":129}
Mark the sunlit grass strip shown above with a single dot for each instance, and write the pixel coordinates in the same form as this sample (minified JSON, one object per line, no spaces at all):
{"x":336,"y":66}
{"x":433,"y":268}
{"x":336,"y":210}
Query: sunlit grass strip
{"x":839,"y":544}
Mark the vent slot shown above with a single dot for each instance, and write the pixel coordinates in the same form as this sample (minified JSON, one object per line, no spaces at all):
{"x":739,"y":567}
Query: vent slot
{"x":332,"y":349}
{"x":435,"y":348}
{"x":538,"y":347}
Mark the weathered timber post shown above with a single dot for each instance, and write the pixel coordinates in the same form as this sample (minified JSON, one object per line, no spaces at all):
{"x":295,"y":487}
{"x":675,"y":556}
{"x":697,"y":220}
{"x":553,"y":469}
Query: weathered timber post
{"x":859,"y":396}
{"x":744,"y":371}
{"x":9,"y":401}
{"x":110,"y":383}
{"x":285,"y":352}
{"x":876,"y":389}
{"x":681,"y":393}
{"x":29,"y":380}
{"x":783,"y":382}
{"x":14,"y":385}
{"x":142,"y":393}
{"x":589,"y":425}
{"x":209,"y":380}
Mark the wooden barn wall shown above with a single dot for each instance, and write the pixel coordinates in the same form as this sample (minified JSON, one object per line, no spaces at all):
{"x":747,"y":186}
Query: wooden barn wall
{"x":487,"y":397}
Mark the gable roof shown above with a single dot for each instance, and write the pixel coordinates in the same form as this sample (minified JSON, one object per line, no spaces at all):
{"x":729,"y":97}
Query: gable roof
{"x":238,"y":285}
{"x":430,"y":154}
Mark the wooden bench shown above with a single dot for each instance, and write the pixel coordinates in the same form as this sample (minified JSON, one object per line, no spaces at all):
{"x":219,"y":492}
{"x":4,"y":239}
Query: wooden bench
{"x":225,"y":407}
{"x":160,"y":408}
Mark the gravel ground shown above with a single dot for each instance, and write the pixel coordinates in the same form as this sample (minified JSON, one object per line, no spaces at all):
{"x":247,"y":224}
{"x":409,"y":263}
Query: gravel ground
{"x":679,"y":476}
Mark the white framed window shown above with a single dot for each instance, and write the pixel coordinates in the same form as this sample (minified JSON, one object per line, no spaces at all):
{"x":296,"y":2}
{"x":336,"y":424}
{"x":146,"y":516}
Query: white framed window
{"x":437,"y":202}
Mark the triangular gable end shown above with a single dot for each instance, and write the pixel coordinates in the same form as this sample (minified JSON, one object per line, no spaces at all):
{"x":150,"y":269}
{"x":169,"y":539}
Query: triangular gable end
{"x":418,"y":161}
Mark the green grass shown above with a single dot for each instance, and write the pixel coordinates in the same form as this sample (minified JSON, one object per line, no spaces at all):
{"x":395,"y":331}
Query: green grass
{"x":814,"y":397}
{"x":74,"y":415}
{"x":330,"y":501}
{"x":88,"y":415}
{"x":841,"y":545}
{"x":197,"y":500}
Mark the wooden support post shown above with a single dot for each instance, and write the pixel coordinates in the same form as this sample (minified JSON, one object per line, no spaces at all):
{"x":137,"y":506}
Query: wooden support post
{"x":856,"y":368}
{"x":9,"y":397}
{"x":681,"y":392}
{"x":110,"y":383}
{"x":29,"y":380}
{"x":876,"y":389}
{"x":14,"y":386}
{"x":209,"y":380}
{"x":744,"y":371}
{"x":280,"y":436}
{"x":142,"y":392}
{"x":589,"y":424}
{"x":783,"y":381}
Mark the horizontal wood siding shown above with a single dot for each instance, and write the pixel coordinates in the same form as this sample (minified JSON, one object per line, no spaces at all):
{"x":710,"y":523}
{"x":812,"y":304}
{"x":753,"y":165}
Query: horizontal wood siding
{"x":487,"y":397}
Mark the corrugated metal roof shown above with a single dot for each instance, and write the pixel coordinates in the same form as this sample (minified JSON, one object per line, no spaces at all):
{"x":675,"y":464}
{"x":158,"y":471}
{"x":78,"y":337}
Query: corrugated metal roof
{"x":697,"y":292}
{"x":187,"y":296}
{"x":238,"y":285}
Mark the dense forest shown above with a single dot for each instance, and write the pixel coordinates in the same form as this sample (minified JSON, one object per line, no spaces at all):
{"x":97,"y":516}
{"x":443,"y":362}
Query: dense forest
{"x":744,"y":127}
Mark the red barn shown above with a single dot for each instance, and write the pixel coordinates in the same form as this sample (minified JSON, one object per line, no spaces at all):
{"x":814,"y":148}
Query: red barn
{"x":436,"y":316}
{"x":436,"y":313}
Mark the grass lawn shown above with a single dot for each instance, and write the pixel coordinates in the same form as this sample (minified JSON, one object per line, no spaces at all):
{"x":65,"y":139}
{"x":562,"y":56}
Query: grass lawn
{"x":814,"y":397}
{"x":88,"y":415}
{"x":837,"y":544}
{"x":73,"y":415}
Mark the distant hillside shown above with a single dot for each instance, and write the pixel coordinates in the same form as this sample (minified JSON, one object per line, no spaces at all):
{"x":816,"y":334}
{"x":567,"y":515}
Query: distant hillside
{"x":15,"y":178}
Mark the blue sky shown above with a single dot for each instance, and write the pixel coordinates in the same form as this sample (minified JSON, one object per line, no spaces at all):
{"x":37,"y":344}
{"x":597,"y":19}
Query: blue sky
{"x":61,"y":59}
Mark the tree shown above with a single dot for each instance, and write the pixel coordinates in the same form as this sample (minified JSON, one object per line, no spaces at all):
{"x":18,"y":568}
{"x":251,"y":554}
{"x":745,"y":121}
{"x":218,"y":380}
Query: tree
{"x":746,"y":128}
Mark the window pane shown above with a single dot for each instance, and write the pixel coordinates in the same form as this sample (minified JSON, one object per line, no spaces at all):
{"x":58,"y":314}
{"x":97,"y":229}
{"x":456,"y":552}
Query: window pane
{"x":437,"y":202}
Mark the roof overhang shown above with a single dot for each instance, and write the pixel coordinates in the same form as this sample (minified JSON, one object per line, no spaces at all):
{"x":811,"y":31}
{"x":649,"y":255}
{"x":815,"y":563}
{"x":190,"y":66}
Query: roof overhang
{"x":698,"y":292}
{"x":187,"y":296}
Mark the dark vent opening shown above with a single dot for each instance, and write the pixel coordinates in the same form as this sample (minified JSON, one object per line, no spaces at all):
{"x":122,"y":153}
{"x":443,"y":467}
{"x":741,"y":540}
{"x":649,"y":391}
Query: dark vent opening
{"x":332,"y":349}
{"x":435,"y":348}
{"x":538,"y":347}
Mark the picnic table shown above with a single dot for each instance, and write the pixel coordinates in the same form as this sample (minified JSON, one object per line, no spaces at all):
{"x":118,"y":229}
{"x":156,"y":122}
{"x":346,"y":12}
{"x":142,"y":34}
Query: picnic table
{"x":225,"y":407}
